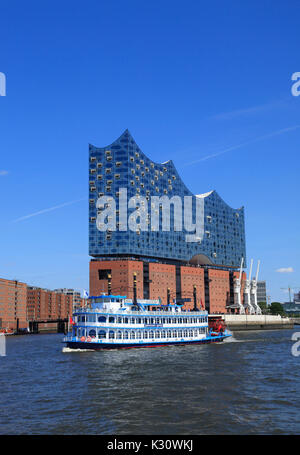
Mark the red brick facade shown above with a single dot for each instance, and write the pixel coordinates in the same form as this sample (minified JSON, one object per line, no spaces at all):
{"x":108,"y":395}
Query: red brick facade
{"x":121,"y":277}
{"x":20,"y":304}
{"x":190,"y":277}
{"x":155,"y":280}
{"x":162,"y":278}
{"x":219,"y":290}
{"x":13,"y":304}
{"x":46,"y":304}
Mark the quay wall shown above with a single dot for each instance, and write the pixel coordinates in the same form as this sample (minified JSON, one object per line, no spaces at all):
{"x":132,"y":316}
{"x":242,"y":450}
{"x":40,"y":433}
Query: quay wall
{"x":257,"y":322}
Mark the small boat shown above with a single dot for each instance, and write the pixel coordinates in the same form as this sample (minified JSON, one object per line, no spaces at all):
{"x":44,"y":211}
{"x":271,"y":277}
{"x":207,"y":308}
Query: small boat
{"x":114,"y":322}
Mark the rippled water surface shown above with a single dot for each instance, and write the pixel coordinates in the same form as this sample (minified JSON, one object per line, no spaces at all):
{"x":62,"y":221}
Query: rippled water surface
{"x":247,"y":385}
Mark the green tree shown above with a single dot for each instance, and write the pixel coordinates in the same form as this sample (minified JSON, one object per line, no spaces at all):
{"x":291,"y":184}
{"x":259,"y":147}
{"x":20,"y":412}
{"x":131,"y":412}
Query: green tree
{"x":264,"y":307}
{"x":276,"y":308}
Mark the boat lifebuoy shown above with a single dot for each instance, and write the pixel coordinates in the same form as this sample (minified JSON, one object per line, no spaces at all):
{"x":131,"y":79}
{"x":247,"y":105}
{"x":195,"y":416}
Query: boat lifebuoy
{"x":88,"y":339}
{"x":82,"y":339}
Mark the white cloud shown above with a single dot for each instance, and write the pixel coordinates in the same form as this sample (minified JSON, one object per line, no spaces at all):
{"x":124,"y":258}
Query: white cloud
{"x":253,"y":141}
{"x":50,"y":209}
{"x":3,"y":172}
{"x":285,"y":270}
{"x":249,"y":110}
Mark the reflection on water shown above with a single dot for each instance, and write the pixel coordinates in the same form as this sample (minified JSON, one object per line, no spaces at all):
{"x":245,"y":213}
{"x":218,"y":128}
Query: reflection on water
{"x":247,"y":385}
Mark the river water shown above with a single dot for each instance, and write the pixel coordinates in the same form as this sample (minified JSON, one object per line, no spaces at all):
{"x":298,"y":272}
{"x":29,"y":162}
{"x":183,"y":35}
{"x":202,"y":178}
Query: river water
{"x":249,"y":384}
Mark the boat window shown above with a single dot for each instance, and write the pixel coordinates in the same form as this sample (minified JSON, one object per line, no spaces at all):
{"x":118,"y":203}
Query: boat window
{"x":157,"y":320}
{"x":119,"y":335}
{"x":151,"y":334}
{"x":91,"y":318}
{"x":125,"y":335}
{"x":179,"y":333}
{"x":174,"y":334}
{"x":101,"y":334}
{"x":132,"y":320}
{"x":92,"y":333}
{"x":125,"y":320}
{"x":152,"y":321}
{"x":111,"y":319}
{"x":195,"y":333}
{"x":139,"y":335}
{"x":111,"y":334}
{"x":145,"y":334}
{"x":119,"y":320}
{"x":185,"y":333}
{"x":170,"y":320}
{"x":132,"y":335}
{"x":169,"y":334}
{"x":190,"y":333}
{"x":157,"y":334}
{"x":101,"y":319}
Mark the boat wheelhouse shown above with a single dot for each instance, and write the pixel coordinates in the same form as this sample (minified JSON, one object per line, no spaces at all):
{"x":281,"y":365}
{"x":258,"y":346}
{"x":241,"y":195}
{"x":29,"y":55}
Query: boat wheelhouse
{"x":113,"y":321}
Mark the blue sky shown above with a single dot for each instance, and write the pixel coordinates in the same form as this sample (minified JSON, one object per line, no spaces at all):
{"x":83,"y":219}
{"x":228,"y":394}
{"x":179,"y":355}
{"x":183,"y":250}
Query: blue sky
{"x":206,"y":84}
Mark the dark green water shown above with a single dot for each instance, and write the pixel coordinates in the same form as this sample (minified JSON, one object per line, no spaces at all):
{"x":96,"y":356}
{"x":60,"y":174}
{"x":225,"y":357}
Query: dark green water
{"x":249,"y":385}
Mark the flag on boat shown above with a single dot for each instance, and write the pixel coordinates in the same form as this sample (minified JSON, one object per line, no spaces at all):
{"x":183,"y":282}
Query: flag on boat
{"x":85,"y":294}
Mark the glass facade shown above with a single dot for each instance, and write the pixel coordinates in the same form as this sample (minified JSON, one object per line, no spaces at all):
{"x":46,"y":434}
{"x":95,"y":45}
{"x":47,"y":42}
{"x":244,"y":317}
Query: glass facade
{"x":123,"y":165}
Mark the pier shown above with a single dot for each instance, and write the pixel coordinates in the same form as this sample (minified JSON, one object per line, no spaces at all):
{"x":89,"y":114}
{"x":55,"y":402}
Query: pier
{"x":62,"y":325}
{"x":257,"y":322}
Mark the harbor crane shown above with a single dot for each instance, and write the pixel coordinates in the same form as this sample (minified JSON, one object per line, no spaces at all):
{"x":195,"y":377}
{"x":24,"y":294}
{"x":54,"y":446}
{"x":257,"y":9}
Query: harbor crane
{"x":290,"y":289}
{"x":247,"y":295}
{"x":237,"y":290}
{"x":253,"y":291}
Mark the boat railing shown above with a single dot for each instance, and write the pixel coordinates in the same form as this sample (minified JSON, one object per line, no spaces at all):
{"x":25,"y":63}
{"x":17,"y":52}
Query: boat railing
{"x":143,"y":313}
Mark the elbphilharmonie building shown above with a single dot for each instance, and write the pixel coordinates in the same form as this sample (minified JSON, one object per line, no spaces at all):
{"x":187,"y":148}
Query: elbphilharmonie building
{"x":122,"y":165}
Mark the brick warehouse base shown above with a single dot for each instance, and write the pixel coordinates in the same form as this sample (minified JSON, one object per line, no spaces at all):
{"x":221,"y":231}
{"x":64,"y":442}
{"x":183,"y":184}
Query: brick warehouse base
{"x":210,"y":288}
